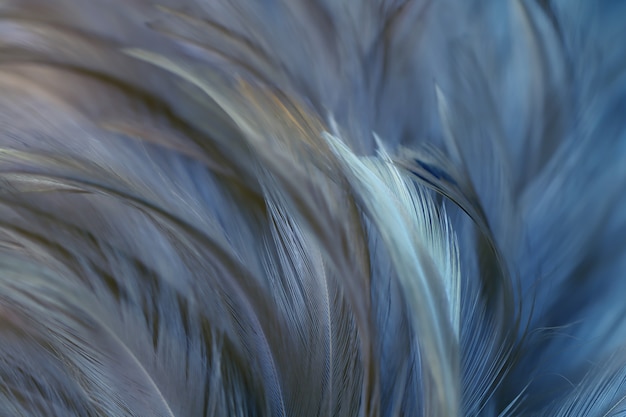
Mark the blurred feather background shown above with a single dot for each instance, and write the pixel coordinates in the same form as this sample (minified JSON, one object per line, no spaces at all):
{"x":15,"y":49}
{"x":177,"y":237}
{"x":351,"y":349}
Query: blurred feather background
{"x":312,"y":208}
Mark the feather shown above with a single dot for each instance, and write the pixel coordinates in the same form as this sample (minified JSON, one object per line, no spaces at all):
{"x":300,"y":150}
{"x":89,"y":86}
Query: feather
{"x":306,"y":208}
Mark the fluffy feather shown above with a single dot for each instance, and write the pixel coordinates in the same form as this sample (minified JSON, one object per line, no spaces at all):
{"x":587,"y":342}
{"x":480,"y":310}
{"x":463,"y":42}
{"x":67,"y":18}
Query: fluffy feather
{"x":306,"y":208}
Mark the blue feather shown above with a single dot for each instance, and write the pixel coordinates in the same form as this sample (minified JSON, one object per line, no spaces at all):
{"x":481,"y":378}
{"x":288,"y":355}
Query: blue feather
{"x":312,"y":208}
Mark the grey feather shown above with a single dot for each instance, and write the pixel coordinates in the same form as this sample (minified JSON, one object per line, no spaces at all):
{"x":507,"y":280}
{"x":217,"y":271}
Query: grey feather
{"x":311,"y":208}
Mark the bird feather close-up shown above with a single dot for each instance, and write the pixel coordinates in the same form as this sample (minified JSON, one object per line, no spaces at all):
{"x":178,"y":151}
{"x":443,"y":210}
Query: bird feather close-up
{"x":312,"y":208}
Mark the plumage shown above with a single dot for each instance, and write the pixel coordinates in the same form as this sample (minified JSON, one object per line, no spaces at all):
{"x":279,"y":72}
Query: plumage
{"x":312,"y":208}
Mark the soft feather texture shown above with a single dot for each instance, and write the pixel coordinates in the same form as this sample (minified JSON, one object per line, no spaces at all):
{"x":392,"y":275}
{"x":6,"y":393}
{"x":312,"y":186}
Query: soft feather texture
{"x":312,"y":208}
